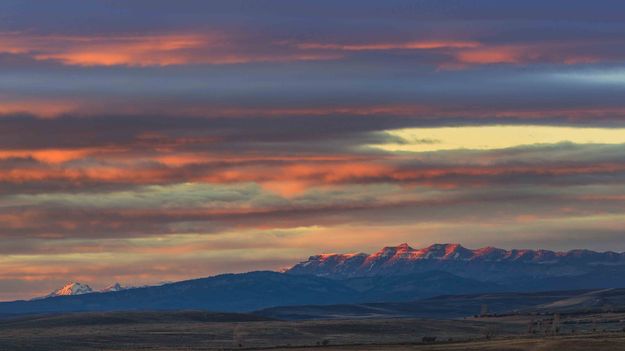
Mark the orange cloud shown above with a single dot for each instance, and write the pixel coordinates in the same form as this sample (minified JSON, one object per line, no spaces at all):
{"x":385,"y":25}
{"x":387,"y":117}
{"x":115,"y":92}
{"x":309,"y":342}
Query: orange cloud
{"x":564,"y":53}
{"x":157,"y":50}
{"x":178,"y":159}
{"x":52,"y":156}
{"x":391,"y":109}
{"x":410,"y":45}
{"x":142,"y":50}
{"x":465,"y":53}
{"x":287,"y":188}
{"x":233,"y":48}
{"x":491,"y":55}
{"x":42,"y":108}
{"x":49,"y":108}
{"x":287,"y":176}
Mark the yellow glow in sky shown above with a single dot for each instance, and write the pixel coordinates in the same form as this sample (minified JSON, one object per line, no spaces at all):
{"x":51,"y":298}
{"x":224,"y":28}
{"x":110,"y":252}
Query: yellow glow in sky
{"x":496,"y":137}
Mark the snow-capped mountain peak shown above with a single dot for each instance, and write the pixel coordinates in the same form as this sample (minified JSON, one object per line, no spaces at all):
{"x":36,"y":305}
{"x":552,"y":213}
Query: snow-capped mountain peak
{"x":114,"y":287}
{"x":75,"y":288}
{"x":72,"y":289}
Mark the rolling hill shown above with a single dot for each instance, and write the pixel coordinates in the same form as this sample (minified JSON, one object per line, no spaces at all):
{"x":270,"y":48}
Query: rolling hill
{"x":459,"y":306}
{"x":252,"y":291}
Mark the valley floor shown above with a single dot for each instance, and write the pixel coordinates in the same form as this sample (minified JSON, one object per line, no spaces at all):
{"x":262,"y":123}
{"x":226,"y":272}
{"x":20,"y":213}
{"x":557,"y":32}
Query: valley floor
{"x":206,"y":331}
{"x":569,"y":343}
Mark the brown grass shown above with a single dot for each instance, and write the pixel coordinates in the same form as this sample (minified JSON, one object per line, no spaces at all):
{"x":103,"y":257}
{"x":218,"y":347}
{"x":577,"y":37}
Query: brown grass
{"x":205,"y":331}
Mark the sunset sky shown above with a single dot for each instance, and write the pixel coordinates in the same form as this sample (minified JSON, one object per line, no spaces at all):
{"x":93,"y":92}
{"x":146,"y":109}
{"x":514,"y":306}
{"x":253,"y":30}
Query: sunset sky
{"x":149,"y":140}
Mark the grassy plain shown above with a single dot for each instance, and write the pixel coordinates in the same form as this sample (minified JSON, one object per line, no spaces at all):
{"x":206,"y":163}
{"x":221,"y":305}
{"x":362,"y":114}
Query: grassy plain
{"x":207,"y":331}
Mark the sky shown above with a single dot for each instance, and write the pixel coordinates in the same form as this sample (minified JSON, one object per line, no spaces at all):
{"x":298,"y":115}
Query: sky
{"x":149,"y":140}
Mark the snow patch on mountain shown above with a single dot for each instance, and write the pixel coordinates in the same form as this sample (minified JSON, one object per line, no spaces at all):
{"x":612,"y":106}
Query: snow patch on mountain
{"x":115,"y":287}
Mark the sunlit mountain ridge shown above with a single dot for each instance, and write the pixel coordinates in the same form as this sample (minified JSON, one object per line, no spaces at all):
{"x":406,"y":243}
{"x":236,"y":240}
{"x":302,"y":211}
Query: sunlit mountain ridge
{"x":486,"y":263}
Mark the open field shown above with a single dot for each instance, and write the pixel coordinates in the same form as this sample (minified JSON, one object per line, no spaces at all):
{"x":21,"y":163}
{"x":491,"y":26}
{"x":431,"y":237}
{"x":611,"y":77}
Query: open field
{"x":195,"y":330}
{"x":200,"y":331}
{"x":577,"y":343}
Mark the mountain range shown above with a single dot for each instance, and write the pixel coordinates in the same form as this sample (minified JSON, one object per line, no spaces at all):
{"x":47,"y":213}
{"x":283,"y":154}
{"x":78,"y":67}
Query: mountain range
{"x":489,"y":264}
{"x":394,"y":274}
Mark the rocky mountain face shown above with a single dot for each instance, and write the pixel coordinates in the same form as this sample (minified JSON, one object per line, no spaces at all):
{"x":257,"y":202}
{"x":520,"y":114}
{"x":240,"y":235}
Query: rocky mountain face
{"x":485,"y":264}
